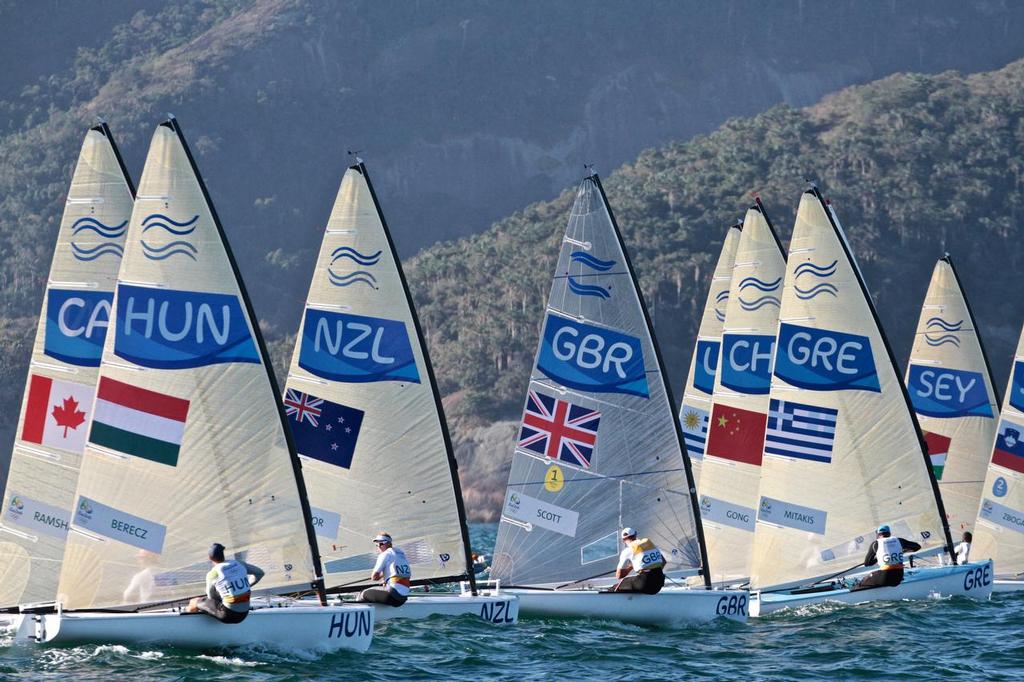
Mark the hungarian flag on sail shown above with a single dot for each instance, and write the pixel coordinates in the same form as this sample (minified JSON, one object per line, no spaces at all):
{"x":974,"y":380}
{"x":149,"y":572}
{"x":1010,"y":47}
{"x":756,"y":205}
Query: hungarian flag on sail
{"x":56,"y":413}
{"x":938,"y":448}
{"x":1009,"y":450}
{"x":559,"y":429}
{"x":138,"y":422}
{"x":321,"y":429}
{"x":736,"y":434}
{"x":694,"y":423}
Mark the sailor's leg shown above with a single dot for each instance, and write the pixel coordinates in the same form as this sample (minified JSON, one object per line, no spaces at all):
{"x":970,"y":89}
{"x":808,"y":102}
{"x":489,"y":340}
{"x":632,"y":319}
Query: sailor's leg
{"x":375,"y":595}
{"x":633,"y":583}
{"x":652,"y":581}
{"x":395,"y":599}
{"x":874,"y":579}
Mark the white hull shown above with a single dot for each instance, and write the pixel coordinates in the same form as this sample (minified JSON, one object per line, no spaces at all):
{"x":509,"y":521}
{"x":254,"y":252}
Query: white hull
{"x":1007,"y":585}
{"x":327,"y":628}
{"x":672,"y":607}
{"x":970,"y":580}
{"x":496,"y":608}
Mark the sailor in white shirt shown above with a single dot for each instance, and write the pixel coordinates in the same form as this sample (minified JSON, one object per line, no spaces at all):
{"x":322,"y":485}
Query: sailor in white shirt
{"x":643,"y":558}
{"x":963,"y":550}
{"x":392,"y":569}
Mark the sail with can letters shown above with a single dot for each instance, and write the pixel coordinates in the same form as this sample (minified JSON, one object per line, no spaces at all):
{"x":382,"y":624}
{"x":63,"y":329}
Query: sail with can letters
{"x":843,"y":452}
{"x":950,"y":385}
{"x":599,"y":447}
{"x":187,"y":443}
{"x":62,"y":374}
{"x":731,"y":472}
{"x":364,"y":409}
{"x":999,"y":530}
{"x":700,"y":382}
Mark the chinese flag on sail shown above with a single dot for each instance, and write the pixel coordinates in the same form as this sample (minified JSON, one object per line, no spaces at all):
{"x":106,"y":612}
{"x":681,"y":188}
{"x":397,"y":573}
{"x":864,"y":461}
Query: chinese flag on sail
{"x":736,"y":434}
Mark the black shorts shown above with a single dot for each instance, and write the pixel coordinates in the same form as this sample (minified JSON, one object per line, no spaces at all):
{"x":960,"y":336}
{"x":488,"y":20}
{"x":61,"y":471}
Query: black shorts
{"x":890,"y":578}
{"x":648,"y":582}
{"x":381,"y":595}
{"x":216,"y":608}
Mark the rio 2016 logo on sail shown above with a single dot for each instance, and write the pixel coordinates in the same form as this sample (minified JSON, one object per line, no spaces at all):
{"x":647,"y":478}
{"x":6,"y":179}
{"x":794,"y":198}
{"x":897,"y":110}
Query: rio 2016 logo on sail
{"x":590,"y":358}
{"x":76,"y":325}
{"x":945,"y":393}
{"x":824,"y":360}
{"x":356,"y":348}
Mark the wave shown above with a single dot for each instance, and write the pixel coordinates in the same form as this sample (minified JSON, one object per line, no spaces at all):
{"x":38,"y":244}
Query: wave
{"x":357,"y":277}
{"x":816,"y":290}
{"x":176,"y":248}
{"x":942,"y":340}
{"x":88,"y":223}
{"x":816,"y":270}
{"x":591,"y":262}
{"x":759,"y":303}
{"x":748,"y":282}
{"x":159,"y":220}
{"x":722,"y":296}
{"x":84,"y":254}
{"x":588,"y":289}
{"x":363,"y":259}
{"x":943,"y":324}
{"x":719,"y":315}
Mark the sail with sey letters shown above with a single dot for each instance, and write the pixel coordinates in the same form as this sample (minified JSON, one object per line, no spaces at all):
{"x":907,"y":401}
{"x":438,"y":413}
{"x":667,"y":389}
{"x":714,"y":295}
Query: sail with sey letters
{"x":58,"y":397}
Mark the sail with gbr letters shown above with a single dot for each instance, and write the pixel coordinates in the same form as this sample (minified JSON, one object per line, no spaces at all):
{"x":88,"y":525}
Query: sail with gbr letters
{"x":62,"y":375}
{"x":843,"y":452}
{"x":950,"y":385}
{"x":187,"y":443}
{"x":599,"y":447}
{"x":695,"y":410}
{"x":731,"y":472}
{"x":364,"y":408}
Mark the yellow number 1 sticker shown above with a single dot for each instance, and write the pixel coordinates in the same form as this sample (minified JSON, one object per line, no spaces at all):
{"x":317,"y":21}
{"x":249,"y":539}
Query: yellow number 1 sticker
{"x":554,"y":480}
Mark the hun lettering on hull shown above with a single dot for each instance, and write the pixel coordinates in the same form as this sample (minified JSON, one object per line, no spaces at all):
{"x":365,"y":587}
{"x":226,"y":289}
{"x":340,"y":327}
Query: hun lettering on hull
{"x":590,"y":358}
{"x":168,"y":329}
{"x":746,"y":364}
{"x":945,"y":393}
{"x":825,"y":360}
{"x":356,"y":348}
{"x":76,"y":325}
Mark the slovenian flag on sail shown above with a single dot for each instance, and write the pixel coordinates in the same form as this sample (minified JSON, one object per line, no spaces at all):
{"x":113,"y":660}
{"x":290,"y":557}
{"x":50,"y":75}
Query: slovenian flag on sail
{"x":1009,"y":450}
{"x":138,"y":422}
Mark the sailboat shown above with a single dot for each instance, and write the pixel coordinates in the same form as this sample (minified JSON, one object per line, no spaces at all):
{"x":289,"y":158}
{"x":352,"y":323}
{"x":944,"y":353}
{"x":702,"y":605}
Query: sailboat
{"x":843,"y":453}
{"x":600,"y":448}
{"x":187,"y":444}
{"x":999,"y":530}
{"x":951,"y":388}
{"x":58,"y":395}
{"x":735,"y":423}
{"x":367,"y":420}
{"x":700,"y":382}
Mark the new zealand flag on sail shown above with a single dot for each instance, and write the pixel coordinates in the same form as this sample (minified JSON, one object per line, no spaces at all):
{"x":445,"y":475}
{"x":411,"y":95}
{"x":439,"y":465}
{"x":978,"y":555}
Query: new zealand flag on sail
{"x":321,"y":429}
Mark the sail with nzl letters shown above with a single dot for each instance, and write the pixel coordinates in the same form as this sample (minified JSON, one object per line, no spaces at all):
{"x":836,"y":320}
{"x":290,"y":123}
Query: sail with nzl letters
{"x":731,"y":472}
{"x":58,"y":399}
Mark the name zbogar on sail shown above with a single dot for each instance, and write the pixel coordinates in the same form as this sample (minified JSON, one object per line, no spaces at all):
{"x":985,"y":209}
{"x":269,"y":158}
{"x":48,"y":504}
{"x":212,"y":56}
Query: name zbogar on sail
{"x":600,"y":447}
{"x":187,"y":445}
{"x":367,"y":420}
{"x":734,"y":427}
{"x":843,"y":453}
{"x":58,"y":400}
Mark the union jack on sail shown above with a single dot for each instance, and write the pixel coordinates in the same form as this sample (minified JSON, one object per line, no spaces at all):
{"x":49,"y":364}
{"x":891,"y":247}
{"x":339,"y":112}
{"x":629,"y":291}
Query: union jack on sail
{"x":559,"y":429}
{"x":303,"y":406}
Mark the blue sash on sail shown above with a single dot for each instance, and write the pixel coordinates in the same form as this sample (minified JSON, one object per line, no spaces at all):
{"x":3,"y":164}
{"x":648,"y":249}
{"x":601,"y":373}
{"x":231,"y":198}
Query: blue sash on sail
{"x":944,"y":393}
{"x":356,"y":348}
{"x":590,"y":358}
{"x":76,"y":325}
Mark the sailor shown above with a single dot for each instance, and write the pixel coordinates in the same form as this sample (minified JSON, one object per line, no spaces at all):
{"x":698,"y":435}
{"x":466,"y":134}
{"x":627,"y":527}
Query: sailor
{"x":644,"y":558}
{"x":963,"y":550}
{"x":887,"y":552}
{"x":227,"y":588}
{"x":392,"y":569}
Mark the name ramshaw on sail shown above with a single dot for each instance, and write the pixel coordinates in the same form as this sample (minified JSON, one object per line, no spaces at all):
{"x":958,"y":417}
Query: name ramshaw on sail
{"x":600,"y":448}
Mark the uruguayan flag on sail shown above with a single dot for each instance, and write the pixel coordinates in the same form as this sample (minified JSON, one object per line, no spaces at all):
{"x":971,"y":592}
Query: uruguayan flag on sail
{"x":802,"y":431}
{"x":695,"y":430}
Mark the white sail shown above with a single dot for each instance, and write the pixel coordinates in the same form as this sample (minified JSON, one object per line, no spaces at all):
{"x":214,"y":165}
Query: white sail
{"x":950,"y":386}
{"x":999,"y":531}
{"x":843,"y":453}
{"x":364,"y":409}
{"x":695,"y":410}
{"x":187,"y":442}
{"x":62,"y":375}
{"x":599,"y":447}
{"x":731,"y":472}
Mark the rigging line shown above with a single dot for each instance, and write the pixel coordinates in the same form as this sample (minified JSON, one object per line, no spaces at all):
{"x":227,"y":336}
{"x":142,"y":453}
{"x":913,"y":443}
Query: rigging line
{"x":621,"y":477}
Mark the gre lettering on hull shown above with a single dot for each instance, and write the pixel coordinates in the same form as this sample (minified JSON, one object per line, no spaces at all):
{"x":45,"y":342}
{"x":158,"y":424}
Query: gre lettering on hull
{"x":824,"y":360}
{"x":791,"y":515}
{"x":76,"y":325}
{"x":946,"y":393}
{"x":356,"y":348}
{"x":590,"y":358}
{"x":38,"y":516}
{"x":727,"y":513}
{"x":1001,"y":515}
{"x":530,"y":510}
{"x":118,"y":525}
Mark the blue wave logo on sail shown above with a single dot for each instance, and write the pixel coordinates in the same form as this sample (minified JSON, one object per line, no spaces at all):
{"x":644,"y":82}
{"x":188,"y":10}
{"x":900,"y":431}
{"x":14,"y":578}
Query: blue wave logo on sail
{"x":747,"y":362}
{"x":825,"y":360}
{"x":366,"y":277}
{"x":722,"y":299}
{"x":168,"y":329}
{"x":88,"y":229}
{"x":583,"y":356}
{"x":76,"y":325}
{"x":591,"y":262}
{"x":170,"y":229}
{"x":939,"y":332}
{"x":947,"y":393}
{"x":581,"y":289}
{"x":752,"y":285}
{"x":356,"y":348}
{"x":1017,"y":385}
{"x":812,"y":291}
{"x":705,"y":365}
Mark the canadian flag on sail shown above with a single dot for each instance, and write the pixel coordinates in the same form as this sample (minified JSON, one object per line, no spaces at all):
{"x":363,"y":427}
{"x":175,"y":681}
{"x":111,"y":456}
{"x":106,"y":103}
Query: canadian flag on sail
{"x":56,"y":413}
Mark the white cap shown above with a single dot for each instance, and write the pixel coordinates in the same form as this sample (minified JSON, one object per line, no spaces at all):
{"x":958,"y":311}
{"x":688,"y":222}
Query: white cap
{"x":382,"y":537}
{"x":628,"y":532}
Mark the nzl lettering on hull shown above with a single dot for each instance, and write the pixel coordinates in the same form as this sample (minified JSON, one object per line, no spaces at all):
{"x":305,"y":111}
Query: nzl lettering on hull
{"x":747,"y":362}
{"x":76,"y":325}
{"x":168,"y":329}
{"x":590,"y":358}
{"x":824,"y":360}
{"x":940,"y":392}
{"x":356,"y":348}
